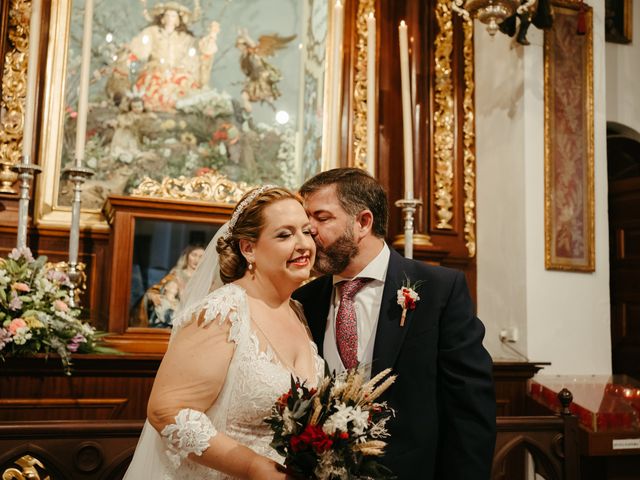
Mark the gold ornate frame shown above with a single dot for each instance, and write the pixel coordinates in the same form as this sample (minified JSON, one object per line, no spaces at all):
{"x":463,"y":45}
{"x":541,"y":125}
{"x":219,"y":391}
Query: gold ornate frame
{"x":569,"y":150}
{"x":618,"y":23}
{"x":47,"y":212}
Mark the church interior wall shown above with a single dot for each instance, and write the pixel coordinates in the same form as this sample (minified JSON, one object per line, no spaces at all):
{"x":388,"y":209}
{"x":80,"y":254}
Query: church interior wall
{"x":560,"y":317}
{"x":623,"y":71}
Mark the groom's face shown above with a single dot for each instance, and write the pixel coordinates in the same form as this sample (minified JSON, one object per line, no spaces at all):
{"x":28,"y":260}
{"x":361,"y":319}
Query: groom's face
{"x":333,"y":231}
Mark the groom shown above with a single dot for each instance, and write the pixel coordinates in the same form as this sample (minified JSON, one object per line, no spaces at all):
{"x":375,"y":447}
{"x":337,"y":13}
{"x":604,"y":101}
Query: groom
{"x":444,"y":401}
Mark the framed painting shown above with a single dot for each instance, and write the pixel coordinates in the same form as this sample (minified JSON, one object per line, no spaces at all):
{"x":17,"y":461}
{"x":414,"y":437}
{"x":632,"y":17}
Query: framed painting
{"x":568,"y":165}
{"x":618,"y":21}
{"x":180,"y":89}
{"x":159,"y":244}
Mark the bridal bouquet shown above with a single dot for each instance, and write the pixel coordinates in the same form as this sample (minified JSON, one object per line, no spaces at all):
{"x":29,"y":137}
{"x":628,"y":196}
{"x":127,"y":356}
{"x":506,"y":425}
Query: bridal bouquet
{"x":335,"y":431}
{"x":35,"y":315}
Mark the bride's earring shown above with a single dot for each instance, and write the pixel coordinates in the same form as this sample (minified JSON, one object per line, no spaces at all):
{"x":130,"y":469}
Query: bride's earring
{"x":251,"y":268}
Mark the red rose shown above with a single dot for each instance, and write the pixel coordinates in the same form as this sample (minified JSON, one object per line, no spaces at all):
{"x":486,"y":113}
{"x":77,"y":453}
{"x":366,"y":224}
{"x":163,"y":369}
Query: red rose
{"x":311,"y":437}
{"x":409,"y":302}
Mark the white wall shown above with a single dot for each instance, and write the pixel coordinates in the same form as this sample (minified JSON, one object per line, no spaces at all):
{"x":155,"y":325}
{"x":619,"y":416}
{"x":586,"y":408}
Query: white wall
{"x":623,"y":72}
{"x":501,"y":235}
{"x":562,"y":317}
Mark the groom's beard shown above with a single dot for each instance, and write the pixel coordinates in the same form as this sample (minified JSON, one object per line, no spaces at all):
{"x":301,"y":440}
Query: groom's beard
{"x":336,"y":257}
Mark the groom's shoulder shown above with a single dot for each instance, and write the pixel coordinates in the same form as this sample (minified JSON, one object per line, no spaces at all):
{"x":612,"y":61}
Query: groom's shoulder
{"x":427,"y":271}
{"x":313,"y":289}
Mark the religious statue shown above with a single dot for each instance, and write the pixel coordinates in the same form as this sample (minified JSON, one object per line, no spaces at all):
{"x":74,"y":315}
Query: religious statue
{"x":176,"y":63}
{"x":261,"y":84}
{"x":159,"y":302}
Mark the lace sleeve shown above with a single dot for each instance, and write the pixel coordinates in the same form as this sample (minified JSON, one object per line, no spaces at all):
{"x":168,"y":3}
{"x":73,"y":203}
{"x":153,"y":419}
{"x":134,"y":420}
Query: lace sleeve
{"x":223,"y":303}
{"x":194,"y":371}
{"x":190,"y":433}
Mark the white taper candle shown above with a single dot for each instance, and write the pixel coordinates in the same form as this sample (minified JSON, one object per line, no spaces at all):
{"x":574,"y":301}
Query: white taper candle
{"x":338,"y":25}
{"x":32,"y":80}
{"x":83,"y":95}
{"x":371,"y":93}
{"x":407,"y":125}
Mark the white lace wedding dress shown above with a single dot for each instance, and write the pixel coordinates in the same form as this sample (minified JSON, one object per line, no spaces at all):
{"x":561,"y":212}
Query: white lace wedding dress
{"x":255,"y":379}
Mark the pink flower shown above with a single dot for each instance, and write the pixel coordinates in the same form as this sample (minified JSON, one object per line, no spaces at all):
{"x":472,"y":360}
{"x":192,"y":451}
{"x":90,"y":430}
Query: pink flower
{"x":56,"y":276}
{"x":15,"y":324}
{"x":75,"y":342}
{"x":21,"y":287}
{"x":25,"y":252}
{"x":60,"y":306}
{"x":5,"y":337}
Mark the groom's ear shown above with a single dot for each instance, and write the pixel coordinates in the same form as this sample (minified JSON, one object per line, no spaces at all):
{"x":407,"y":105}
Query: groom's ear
{"x":365,"y":221}
{"x":247,"y":248}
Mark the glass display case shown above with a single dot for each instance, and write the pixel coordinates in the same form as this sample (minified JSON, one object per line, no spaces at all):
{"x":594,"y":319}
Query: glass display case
{"x":601,"y":402}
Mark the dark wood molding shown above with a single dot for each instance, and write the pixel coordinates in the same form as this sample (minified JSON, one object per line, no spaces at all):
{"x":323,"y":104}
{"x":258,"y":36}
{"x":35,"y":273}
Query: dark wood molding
{"x":122,"y":212}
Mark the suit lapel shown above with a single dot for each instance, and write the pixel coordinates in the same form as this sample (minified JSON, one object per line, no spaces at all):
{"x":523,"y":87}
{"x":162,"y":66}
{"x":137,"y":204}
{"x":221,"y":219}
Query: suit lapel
{"x":389,"y":333}
{"x":319,"y":311}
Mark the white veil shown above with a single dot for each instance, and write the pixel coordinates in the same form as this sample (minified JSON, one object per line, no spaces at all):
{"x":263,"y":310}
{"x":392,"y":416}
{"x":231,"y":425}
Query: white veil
{"x":149,"y":460}
{"x":205,"y":279}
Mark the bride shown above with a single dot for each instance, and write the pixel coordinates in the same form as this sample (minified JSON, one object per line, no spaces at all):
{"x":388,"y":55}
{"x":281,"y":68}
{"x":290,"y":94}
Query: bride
{"x":232,"y":350}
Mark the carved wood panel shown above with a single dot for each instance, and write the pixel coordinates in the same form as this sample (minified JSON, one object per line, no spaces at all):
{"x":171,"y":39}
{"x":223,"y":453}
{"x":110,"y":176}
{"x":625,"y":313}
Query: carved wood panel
{"x":441,"y":69}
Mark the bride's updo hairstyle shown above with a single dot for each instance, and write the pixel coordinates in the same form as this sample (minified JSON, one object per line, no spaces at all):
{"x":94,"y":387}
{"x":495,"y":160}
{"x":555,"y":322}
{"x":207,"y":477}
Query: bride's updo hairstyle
{"x":247,"y":222}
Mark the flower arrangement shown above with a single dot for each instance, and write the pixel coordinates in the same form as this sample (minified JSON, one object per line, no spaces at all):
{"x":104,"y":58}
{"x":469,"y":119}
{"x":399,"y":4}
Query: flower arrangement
{"x":336,"y":430}
{"x":35,"y":312}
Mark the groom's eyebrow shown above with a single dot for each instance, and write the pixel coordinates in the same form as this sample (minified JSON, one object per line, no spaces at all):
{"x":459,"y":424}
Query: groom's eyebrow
{"x":320,"y":212}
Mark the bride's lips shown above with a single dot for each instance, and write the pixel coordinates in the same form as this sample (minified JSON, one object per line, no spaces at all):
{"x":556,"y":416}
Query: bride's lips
{"x":301,"y":261}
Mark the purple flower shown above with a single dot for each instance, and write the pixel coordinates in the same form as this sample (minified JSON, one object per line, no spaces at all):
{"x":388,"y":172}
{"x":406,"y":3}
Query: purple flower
{"x":75,"y":342}
{"x":15,"y":303}
{"x":5,"y":337}
{"x":25,"y":252}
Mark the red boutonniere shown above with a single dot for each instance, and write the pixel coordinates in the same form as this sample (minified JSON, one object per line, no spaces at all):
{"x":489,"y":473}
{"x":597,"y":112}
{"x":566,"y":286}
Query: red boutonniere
{"x":407,"y":298}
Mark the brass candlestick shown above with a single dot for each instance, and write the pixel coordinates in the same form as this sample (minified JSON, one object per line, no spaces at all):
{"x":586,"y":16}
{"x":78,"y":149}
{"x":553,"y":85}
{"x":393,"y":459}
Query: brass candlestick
{"x":7,"y":178}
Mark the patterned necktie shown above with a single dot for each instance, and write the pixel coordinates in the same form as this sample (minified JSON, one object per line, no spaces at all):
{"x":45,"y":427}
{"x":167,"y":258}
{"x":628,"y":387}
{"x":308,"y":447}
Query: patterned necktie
{"x":346,"y":325}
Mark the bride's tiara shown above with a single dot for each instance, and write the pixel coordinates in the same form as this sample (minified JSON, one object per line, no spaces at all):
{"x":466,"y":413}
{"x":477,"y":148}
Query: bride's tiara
{"x":242,"y":207}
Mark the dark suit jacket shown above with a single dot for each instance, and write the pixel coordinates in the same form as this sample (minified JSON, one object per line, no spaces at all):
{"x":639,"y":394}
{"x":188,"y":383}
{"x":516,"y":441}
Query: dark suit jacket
{"x":443,"y":397}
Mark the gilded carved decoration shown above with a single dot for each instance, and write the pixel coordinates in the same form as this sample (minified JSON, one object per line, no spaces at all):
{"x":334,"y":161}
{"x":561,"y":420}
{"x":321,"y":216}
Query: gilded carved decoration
{"x":360,"y":86}
{"x":443,"y":117}
{"x":208,"y":187}
{"x":27,"y":469}
{"x":468,"y":142}
{"x":14,"y":83}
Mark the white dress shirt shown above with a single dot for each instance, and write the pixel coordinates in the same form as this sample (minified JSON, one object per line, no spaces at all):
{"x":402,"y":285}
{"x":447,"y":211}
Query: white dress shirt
{"x":367,"y":305}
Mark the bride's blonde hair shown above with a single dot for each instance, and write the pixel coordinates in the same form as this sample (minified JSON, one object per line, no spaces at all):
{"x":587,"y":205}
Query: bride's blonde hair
{"x":248,"y":226}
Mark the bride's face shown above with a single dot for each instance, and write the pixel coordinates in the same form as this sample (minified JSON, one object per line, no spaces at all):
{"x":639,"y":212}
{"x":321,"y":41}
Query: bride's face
{"x":285,"y":249}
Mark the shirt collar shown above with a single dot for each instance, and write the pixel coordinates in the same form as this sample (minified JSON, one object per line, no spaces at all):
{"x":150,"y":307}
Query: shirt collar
{"x":376,"y":269}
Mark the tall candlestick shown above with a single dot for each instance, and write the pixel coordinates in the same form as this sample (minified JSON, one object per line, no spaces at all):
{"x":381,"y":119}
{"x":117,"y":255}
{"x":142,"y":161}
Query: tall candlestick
{"x":336,"y":97}
{"x":407,"y":125}
{"x":32,"y":79}
{"x":371,"y":93}
{"x":83,"y":96}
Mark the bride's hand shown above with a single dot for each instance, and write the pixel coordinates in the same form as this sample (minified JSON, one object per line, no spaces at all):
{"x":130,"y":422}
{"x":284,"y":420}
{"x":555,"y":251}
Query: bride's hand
{"x":263,"y":468}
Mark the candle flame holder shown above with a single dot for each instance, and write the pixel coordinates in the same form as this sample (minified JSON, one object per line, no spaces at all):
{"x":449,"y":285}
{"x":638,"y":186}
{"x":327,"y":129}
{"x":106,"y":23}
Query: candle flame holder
{"x":26,"y":172}
{"x":76,"y":175}
{"x":409,"y":207}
